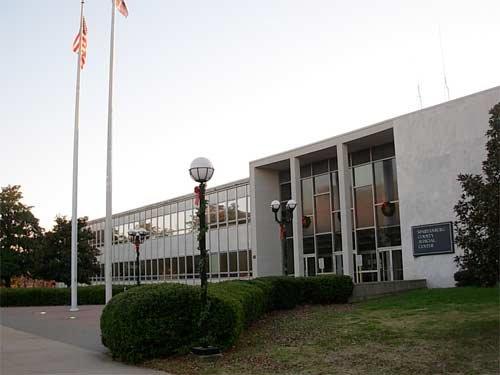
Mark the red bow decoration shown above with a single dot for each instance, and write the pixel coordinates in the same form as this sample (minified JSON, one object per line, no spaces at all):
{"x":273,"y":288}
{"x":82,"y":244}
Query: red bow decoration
{"x":197,"y":196}
{"x":282,"y":232}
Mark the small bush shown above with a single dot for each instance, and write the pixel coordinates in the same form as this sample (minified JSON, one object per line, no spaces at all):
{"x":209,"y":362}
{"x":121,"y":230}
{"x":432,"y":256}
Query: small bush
{"x":158,"y":320}
{"x":87,"y":295}
{"x":466,"y":278}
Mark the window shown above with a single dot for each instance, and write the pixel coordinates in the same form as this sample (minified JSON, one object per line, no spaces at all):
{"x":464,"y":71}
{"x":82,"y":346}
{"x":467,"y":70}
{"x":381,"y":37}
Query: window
{"x":320,"y":167}
{"x":322,"y":184}
{"x":173,"y":223}
{"x":231,"y":210}
{"x":181,"y":222}
{"x":223,"y":263}
{"x":212,"y":210}
{"x":386,"y":185}
{"x":189,"y":221}
{"x":307,"y":197}
{"x":323,"y":222}
{"x":365,"y":240}
{"x":242,"y":209}
{"x":222,"y":207}
{"x":363,"y":175}
{"x":243,"y":261}
{"x":360,"y":157}
{"x":284,"y":176}
{"x":305,"y":170}
{"x":286,"y":191}
{"x":324,"y":244}
{"x":364,"y":207}
{"x":233,"y":261}
{"x":308,"y":244}
{"x":384,"y":151}
{"x":335,"y":191}
{"x":390,"y":236}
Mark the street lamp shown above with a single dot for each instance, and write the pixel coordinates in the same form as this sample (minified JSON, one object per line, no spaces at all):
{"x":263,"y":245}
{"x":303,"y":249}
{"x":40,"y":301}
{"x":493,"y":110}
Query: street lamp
{"x":286,"y":217}
{"x":202,"y":170}
{"x":137,"y":237}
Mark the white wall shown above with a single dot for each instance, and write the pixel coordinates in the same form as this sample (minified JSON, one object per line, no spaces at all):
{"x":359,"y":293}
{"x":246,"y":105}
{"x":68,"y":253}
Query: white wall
{"x":432,"y":147}
{"x":266,"y":246}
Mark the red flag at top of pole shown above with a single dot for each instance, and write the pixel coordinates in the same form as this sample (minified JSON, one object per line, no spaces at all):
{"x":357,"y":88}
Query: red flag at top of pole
{"x":121,"y":7}
{"x":81,"y":39}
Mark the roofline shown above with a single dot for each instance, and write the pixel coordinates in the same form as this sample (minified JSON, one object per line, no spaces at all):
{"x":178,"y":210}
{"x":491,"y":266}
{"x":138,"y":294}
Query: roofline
{"x":214,"y":189}
{"x":273,"y":158}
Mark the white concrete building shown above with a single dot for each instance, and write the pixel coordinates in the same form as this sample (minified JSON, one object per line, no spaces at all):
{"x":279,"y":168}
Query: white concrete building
{"x":375,"y":203}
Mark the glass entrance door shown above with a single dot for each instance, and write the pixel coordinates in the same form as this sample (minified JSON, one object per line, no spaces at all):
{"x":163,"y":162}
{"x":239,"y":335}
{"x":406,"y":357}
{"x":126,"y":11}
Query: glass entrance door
{"x":309,"y":265}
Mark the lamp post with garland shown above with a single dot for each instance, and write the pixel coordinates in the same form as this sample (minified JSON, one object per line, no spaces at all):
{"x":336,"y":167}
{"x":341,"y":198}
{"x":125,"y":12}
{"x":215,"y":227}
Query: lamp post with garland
{"x":201,"y":171}
{"x":137,"y":237}
{"x":286,"y":218}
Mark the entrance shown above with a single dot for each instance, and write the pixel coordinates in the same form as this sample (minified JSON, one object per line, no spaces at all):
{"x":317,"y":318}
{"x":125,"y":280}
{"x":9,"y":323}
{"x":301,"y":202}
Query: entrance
{"x":309,"y":265}
{"x":385,"y":264}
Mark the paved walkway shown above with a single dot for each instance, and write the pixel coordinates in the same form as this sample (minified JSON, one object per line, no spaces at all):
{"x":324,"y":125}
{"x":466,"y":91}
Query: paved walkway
{"x":51,"y":340}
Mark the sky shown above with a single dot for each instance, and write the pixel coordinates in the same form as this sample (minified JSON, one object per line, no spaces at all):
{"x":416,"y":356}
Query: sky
{"x":230,"y":80}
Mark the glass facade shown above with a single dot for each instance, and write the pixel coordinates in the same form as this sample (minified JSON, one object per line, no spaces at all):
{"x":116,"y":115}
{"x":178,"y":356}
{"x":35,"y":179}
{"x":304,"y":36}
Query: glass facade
{"x":377,"y":234}
{"x":322,"y":239}
{"x":170,"y":252}
{"x":374,"y":205}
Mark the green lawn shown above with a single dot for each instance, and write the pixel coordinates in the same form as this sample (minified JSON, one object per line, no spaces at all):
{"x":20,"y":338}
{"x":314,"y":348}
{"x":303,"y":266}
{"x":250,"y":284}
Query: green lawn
{"x":438,"y":331}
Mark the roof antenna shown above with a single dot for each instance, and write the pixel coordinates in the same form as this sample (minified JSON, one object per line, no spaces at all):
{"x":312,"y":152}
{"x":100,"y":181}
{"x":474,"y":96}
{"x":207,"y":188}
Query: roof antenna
{"x":419,"y":95}
{"x":442,"y":62}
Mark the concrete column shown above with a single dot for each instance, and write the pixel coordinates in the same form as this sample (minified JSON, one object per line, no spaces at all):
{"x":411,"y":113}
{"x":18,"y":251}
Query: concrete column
{"x":265,"y":231}
{"x":297,"y":217}
{"x":345,"y":209}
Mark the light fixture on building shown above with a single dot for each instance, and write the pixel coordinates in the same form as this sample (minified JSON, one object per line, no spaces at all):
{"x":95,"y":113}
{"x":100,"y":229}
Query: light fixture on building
{"x":286,"y":218}
{"x":275,"y":206}
{"x":290,"y":205}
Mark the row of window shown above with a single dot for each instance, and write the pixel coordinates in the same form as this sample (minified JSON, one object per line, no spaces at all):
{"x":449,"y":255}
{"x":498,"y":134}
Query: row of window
{"x":220,"y":265}
{"x":225,"y":208}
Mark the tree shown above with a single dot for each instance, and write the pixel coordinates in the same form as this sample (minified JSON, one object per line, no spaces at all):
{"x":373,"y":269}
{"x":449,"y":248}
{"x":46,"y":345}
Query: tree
{"x":478,"y":212}
{"x":19,"y":234}
{"x":53,"y":260}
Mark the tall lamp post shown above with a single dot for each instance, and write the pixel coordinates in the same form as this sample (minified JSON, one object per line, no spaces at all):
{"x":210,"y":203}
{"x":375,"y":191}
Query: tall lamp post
{"x":137,"y":237}
{"x":286,"y":217}
{"x":202,"y":170}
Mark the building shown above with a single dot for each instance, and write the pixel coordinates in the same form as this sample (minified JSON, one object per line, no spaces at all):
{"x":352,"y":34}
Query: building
{"x":375,"y":203}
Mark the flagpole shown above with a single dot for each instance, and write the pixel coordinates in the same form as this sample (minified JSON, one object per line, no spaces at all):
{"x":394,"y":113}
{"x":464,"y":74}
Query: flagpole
{"x":74,"y":214}
{"x":109,"y":224}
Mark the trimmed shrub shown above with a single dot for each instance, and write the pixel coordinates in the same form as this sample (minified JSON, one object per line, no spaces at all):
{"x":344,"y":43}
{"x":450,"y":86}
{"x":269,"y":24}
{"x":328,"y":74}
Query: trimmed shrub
{"x":162,"y":319}
{"x":326,"y":289}
{"x":281,"y":292}
{"x":87,"y":295}
{"x":251,"y":297}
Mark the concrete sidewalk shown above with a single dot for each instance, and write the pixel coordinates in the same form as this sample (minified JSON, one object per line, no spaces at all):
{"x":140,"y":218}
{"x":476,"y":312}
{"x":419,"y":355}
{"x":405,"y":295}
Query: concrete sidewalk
{"x":53,"y":340}
{"x":26,"y":354}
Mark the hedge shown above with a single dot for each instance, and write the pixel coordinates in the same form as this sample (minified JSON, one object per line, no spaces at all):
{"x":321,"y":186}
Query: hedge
{"x":158,"y":320}
{"x":87,"y":295}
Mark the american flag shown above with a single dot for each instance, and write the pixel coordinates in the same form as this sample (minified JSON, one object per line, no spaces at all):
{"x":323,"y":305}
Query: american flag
{"x":122,"y":7}
{"x":83,"y":40}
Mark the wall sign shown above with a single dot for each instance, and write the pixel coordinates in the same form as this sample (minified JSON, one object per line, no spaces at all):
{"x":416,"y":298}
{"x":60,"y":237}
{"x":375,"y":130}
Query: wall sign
{"x":431,"y":239}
